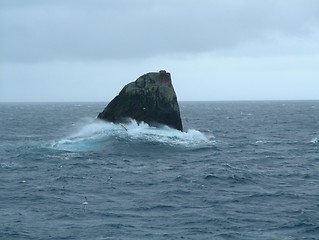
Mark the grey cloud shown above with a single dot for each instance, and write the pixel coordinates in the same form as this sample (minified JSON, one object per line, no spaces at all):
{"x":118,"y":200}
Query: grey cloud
{"x":35,"y":31}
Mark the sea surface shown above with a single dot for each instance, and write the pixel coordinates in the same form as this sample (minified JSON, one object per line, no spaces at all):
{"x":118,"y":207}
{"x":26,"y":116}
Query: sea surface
{"x":241,"y":170}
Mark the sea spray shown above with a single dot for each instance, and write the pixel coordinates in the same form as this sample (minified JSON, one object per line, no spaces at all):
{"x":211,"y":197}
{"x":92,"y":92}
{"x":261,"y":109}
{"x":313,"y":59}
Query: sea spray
{"x":91,"y":135}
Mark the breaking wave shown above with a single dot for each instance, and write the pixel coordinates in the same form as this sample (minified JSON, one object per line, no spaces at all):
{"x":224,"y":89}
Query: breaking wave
{"x":97,"y":132}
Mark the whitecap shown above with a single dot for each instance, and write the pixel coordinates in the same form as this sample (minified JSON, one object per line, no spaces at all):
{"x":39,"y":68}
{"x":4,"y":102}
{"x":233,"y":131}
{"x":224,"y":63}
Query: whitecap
{"x":314,"y":140}
{"x":263,"y":142}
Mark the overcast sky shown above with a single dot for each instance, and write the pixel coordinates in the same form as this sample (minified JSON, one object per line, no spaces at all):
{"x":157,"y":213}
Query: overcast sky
{"x":87,"y":50}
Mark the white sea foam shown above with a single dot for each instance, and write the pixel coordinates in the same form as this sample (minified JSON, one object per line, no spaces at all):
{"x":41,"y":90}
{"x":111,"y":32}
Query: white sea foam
{"x":314,"y":140}
{"x":263,"y":141}
{"x":96,"y":132}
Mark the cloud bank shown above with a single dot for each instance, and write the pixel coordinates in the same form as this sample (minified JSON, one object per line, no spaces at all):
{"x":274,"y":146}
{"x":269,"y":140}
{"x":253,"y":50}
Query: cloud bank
{"x":34,"y":31}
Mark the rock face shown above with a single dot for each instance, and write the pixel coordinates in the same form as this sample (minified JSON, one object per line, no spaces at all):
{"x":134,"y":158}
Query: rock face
{"x":151,"y":99}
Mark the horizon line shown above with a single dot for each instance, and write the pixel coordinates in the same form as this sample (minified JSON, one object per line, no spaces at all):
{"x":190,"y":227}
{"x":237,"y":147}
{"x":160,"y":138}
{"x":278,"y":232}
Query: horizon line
{"x":255,"y":100}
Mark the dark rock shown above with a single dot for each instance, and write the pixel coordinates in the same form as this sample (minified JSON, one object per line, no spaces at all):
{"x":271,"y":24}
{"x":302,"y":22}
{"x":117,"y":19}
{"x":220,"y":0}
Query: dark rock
{"x":151,"y":99}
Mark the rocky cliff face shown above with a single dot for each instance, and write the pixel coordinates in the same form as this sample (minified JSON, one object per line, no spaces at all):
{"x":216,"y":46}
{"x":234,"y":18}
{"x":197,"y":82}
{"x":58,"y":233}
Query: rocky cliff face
{"x":151,"y":98}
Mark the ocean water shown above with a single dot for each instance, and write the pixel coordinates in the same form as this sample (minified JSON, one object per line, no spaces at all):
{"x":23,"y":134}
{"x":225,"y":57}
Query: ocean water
{"x":241,"y":170}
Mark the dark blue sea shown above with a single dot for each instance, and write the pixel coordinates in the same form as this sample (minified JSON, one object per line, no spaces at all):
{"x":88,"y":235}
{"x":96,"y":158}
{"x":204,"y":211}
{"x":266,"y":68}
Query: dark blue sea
{"x":241,"y":170}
